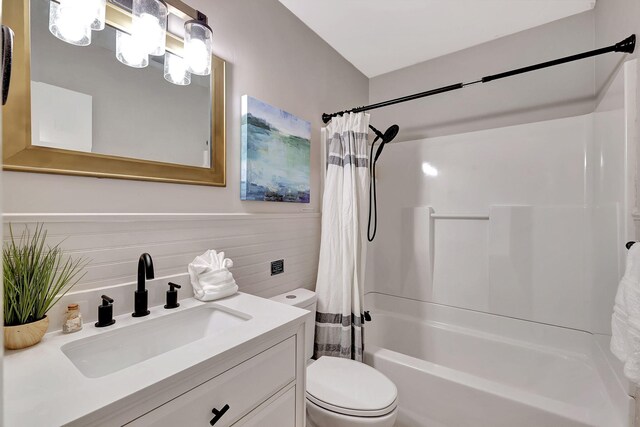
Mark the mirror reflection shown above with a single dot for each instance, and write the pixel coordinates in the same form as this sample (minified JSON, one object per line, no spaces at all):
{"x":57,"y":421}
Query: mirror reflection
{"x":84,"y":99}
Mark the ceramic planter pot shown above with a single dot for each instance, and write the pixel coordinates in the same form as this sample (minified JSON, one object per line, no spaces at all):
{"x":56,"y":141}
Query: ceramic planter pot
{"x":23,"y":336}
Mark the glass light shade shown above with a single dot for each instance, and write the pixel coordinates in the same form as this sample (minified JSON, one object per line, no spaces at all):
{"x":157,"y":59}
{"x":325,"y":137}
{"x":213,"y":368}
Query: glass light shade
{"x":175,"y":70}
{"x":149,"y":25}
{"x":129,"y":52}
{"x":198,"y":40}
{"x":97,"y":10}
{"x":69,"y":23}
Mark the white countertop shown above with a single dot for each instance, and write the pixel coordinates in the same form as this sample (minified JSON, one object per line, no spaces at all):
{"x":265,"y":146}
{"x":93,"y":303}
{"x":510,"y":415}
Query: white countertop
{"x":42,"y":387}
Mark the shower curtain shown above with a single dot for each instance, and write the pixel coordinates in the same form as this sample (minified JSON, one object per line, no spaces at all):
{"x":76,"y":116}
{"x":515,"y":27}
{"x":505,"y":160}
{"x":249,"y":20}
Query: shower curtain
{"x":340,"y":282}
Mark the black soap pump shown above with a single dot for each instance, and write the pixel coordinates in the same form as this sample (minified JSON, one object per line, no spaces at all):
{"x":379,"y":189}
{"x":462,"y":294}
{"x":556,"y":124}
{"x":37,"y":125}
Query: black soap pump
{"x":105,"y":313}
{"x":172,"y":296}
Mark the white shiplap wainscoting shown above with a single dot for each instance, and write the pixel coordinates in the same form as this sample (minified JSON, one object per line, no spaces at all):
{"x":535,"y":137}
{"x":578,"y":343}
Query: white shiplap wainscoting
{"x":113,"y":243}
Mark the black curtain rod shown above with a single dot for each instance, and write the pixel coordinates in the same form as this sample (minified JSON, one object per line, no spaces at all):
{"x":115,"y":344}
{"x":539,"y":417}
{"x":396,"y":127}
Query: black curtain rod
{"x":626,"y":46}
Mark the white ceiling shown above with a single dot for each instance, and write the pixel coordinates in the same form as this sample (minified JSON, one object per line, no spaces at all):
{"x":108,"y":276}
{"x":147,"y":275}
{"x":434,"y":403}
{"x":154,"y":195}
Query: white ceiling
{"x":378,"y":36}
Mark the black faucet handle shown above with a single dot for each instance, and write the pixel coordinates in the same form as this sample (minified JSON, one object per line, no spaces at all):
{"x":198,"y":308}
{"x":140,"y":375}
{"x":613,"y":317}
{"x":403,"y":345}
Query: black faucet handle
{"x":172,"y":296}
{"x":106,"y":300}
{"x":105,"y":312}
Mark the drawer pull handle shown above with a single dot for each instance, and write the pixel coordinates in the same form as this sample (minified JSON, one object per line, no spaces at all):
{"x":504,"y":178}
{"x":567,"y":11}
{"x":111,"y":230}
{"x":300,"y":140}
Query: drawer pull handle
{"x":218,"y":414}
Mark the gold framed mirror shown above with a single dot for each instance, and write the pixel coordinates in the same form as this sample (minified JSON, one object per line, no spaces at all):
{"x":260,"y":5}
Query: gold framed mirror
{"x":21,"y":154}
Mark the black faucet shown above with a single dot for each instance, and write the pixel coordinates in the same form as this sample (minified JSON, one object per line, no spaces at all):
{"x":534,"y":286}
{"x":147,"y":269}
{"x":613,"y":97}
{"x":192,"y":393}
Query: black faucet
{"x":141,"y":295}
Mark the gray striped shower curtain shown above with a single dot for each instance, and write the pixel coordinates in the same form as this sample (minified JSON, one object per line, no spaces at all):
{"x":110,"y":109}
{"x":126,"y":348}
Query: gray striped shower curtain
{"x":340,"y":282}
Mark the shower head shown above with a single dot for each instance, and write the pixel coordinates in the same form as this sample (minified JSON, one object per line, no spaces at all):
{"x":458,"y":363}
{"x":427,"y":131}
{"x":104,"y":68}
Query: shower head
{"x":390,"y":133}
{"x":388,"y":136}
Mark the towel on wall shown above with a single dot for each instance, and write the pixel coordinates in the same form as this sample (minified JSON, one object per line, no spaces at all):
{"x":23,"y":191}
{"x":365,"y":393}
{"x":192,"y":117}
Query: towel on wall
{"x":210,"y":276}
{"x":625,"y":321}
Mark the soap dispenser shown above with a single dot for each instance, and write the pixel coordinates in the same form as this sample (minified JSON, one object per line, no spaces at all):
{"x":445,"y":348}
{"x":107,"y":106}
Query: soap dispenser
{"x":105,"y":313}
{"x":172,"y":296}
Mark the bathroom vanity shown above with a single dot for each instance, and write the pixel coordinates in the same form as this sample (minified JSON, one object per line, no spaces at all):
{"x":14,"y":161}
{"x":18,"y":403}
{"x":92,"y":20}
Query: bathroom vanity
{"x":237,"y":361}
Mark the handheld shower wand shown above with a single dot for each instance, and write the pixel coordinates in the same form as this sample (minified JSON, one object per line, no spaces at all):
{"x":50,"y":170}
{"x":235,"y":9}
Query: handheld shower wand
{"x":388,"y":136}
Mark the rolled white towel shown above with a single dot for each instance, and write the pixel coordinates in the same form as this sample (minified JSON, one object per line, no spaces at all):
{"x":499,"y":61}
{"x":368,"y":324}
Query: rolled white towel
{"x":210,"y":277}
{"x":625,"y":321}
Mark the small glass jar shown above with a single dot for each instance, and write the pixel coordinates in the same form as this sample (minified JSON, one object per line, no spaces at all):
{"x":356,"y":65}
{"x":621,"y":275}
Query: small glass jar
{"x":72,"y":319}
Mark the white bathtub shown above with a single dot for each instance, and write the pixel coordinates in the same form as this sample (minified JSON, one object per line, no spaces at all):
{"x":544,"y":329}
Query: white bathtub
{"x":457,"y":368}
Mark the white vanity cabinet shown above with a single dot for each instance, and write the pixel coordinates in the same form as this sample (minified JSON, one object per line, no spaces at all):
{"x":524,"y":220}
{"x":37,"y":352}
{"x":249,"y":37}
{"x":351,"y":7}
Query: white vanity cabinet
{"x":277,"y":412}
{"x":246,"y":368}
{"x":258,"y":392}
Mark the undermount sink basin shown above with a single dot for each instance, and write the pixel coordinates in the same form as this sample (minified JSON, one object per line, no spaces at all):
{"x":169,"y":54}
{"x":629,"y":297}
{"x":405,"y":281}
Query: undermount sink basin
{"x":114,"y":350}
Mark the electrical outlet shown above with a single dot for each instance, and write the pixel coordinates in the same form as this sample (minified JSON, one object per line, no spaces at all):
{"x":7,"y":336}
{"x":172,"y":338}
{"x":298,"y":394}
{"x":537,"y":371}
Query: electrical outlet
{"x":277,"y":267}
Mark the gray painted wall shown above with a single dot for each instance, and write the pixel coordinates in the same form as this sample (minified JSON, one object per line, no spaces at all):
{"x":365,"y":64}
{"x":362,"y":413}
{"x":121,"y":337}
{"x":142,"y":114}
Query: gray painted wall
{"x":562,"y":91}
{"x":272,"y":56}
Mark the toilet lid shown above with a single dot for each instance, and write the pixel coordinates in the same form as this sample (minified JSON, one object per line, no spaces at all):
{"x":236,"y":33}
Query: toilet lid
{"x":349,"y":387}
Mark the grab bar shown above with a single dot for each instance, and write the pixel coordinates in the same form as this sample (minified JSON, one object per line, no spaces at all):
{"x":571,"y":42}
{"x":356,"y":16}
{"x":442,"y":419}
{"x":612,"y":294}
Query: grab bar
{"x":459,"y":216}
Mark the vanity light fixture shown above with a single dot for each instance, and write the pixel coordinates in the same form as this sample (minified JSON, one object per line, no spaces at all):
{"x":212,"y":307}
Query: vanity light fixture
{"x":198,"y":38}
{"x":175,"y":70}
{"x":146,"y":34}
{"x":149,"y":25}
{"x":129,"y":52}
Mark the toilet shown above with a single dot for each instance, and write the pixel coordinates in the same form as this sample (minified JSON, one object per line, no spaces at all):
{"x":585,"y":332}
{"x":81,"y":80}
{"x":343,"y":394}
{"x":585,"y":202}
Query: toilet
{"x":341,"y":392}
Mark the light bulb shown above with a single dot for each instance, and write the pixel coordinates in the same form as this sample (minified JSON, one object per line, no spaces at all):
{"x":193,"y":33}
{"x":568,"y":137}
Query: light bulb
{"x":71,"y":29}
{"x":85,"y":12}
{"x":197,"y":47}
{"x":97,"y":10}
{"x":146,"y":29}
{"x":196,"y":53}
{"x":149,"y":25}
{"x":175,"y":70}
{"x":129,"y":52}
{"x":69,"y":22}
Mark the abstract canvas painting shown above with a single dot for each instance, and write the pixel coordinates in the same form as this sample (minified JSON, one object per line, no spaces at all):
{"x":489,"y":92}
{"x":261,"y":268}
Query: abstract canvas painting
{"x":276,"y":147}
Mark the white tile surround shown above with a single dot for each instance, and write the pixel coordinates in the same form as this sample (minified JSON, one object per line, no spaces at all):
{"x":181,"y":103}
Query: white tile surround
{"x":114,"y":242}
{"x":526,"y":221}
{"x":524,"y":251}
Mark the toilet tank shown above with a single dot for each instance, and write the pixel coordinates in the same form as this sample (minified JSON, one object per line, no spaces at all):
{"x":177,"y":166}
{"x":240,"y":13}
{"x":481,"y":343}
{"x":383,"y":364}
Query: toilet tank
{"x":303,"y":298}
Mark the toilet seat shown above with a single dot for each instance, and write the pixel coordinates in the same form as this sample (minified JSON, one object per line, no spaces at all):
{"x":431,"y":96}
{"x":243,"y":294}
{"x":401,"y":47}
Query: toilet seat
{"x":351,"y":412}
{"x":350,"y":388}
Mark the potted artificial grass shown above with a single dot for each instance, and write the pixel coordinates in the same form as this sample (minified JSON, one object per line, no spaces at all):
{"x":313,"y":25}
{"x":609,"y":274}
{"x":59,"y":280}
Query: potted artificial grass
{"x":36,"y":276}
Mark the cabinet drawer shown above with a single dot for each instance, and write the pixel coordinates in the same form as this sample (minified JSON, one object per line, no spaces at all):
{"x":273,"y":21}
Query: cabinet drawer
{"x":242,"y":388}
{"x":277,"y":412}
